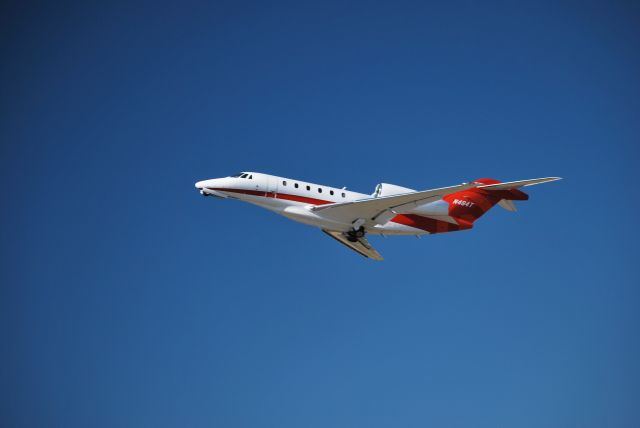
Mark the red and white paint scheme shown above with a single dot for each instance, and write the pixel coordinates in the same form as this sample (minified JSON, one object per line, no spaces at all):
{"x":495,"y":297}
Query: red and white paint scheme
{"x":391,"y":210}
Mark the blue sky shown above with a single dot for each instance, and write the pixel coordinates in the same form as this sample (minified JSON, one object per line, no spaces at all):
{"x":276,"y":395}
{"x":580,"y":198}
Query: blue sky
{"x":129,"y":300}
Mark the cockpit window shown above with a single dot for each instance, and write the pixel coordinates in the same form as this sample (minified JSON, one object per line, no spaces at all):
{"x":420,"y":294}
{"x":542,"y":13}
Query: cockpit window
{"x":251,"y":177}
{"x":245,"y":175}
{"x":236,"y":175}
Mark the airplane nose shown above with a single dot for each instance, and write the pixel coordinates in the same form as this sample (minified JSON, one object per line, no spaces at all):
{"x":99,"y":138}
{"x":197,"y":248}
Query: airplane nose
{"x":206,"y":188}
{"x":212,"y":182}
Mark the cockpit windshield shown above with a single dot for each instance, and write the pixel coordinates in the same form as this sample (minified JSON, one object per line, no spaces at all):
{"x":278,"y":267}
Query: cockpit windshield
{"x":242,"y":175}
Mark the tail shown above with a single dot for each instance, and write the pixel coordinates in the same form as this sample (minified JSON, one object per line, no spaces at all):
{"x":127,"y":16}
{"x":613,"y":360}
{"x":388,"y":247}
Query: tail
{"x":469,"y":205}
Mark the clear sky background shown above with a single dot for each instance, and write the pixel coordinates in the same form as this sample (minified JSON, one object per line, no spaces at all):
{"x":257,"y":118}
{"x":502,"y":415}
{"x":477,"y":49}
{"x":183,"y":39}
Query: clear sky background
{"x":128,"y":300}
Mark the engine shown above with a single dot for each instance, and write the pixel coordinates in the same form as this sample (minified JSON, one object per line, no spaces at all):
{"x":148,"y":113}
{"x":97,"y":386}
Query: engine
{"x":386,"y":189}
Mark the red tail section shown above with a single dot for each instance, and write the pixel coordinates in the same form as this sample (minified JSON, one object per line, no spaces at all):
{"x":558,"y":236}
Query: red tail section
{"x":469,"y":205}
{"x":465,"y":207}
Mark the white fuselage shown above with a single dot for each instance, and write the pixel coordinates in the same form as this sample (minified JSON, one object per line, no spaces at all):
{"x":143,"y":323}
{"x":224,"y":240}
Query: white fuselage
{"x":293,"y":198}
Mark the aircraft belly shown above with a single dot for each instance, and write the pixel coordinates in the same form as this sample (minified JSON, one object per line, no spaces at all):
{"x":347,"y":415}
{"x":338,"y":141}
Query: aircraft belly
{"x":302,"y":214}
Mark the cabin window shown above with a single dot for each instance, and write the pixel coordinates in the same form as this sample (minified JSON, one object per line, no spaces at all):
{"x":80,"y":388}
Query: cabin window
{"x":284,"y":183}
{"x":308,"y":187}
{"x":343,"y":194}
{"x":296,"y":185}
{"x":331,"y":192}
{"x":319,"y":190}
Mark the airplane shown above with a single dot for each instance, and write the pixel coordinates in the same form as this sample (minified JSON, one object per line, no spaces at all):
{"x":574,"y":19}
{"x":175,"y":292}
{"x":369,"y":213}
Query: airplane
{"x":349,"y":216}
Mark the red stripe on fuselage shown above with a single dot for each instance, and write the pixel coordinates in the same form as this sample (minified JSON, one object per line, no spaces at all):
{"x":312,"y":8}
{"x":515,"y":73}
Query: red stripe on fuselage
{"x":272,"y":195}
{"x":299,"y":199}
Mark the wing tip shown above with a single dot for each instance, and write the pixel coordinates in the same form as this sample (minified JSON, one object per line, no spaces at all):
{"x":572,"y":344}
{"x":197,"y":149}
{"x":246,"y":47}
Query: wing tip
{"x":544,"y":180}
{"x":371,"y":253}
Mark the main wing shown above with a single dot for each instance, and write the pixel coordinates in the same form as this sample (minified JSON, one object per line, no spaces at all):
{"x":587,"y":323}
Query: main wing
{"x":380,"y":210}
{"x":361,"y":246}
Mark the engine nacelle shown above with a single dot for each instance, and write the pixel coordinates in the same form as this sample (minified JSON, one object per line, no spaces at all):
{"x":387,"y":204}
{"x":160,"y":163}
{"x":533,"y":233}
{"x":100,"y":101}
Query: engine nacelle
{"x":386,"y":189}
